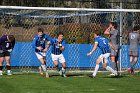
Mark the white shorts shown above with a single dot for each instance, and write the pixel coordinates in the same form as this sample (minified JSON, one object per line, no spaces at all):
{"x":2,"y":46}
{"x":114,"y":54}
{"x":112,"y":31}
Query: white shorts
{"x":104,"y":57}
{"x":58,"y":57}
{"x":40,"y":54}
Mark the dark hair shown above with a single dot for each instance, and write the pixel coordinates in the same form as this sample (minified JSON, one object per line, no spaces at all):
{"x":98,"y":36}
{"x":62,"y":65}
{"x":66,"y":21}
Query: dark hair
{"x":136,"y":28}
{"x":97,"y":32}
{"x":40,"y":29}
{"x":114,"y":24}
{"x":11,"y":38}
{"x":60,"y":33}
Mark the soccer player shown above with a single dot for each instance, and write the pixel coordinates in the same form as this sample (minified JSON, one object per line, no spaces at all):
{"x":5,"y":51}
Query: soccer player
{"x":7,"y":43}
{"x":134,"y":38}
{"x":58,"y":46}
{"x":113,"y":32}
{"x":39,"y":44}
{"x":104,"y":45}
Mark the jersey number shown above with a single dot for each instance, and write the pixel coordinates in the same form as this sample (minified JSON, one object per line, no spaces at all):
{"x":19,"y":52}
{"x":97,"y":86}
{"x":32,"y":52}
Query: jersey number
{"x":7,"y":45}
{"x":104,"y":42}
{"x":132,"y":36}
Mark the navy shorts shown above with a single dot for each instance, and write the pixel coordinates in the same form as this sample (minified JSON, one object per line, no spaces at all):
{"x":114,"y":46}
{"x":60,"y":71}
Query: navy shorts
{"x":5,"y":54}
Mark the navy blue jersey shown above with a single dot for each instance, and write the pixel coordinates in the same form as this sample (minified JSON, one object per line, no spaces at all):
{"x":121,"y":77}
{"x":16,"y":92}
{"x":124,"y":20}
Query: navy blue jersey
{"x":5,"y":45}
{"x":103,"y":44}
{"x":40,"y":42}
{"x":55,"y":49}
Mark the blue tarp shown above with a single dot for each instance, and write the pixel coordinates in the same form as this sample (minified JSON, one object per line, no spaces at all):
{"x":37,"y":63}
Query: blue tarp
{"x":75,"y":55}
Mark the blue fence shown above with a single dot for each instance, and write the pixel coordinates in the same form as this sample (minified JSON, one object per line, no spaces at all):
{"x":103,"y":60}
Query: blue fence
{"x":75,"y":55}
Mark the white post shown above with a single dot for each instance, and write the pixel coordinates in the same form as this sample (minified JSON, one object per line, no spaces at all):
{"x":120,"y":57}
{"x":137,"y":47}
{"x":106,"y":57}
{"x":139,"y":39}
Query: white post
{"x":120,"y":37}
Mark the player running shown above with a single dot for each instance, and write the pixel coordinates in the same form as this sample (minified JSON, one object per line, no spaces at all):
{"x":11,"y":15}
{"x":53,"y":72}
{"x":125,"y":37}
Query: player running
{"x":134,"y":38}
{"x":7,"y":43}
{"x":39,"y":44}
{"x":104,"y":45}
{"x":58,"y":46}
{"x":113,"y":32}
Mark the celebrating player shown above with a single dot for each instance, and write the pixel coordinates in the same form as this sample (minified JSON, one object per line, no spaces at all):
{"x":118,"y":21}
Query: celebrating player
{"x":113,"y":32}
{"x":104,"y":45}
{"x":7,"y":43}
{"x":58,"y":46}
{"x":134,"y":38}
{"x":39,"y":44}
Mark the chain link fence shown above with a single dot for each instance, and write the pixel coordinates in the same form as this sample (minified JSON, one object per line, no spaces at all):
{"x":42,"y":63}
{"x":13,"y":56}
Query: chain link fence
{"x":77,"y":26}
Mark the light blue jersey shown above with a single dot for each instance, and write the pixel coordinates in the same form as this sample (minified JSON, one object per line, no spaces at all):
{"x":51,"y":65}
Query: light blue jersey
{"x":103,"y":44}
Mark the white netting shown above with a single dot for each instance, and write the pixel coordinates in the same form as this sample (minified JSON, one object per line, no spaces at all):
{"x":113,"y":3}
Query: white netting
{"x":78,"y":25}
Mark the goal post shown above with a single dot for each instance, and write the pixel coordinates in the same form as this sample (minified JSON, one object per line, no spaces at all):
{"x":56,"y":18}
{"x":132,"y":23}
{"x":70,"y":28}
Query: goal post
{"x":78,"y":25}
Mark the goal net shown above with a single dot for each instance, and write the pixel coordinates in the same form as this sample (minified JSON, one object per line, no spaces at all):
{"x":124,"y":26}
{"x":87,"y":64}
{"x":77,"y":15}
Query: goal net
{"x":78,"y":25}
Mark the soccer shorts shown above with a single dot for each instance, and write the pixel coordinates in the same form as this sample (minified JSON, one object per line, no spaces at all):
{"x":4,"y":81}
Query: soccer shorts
{"x":3,"y":54}
{"x":59,"y":58}
{"x":104,"y":57}
{"x":40,"y":55}
{"x":133,"y":53}
{"x":113,"y":52}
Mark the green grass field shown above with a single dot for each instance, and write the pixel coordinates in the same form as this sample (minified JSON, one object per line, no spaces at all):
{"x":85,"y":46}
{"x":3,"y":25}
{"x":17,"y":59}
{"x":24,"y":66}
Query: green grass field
{"x":34,"y":83}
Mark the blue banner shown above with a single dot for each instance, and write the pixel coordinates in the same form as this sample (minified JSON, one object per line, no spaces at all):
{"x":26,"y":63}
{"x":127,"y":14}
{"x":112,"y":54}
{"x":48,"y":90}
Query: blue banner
{"x":75,"y":55}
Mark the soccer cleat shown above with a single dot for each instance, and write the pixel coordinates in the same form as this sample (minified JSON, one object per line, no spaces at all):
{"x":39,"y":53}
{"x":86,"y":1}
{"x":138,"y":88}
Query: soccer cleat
{"x":112,"y":74}
{"x":63,"y":75}
{"x":9,"y":72}
{"x":1,"y":73}
{"x":60,"y":72}
{"x":47,"y":75}
{"x":132,"y":72}
{"x":129,"y":70}
{"x":93,"y":76}
{"x":40,"y":71}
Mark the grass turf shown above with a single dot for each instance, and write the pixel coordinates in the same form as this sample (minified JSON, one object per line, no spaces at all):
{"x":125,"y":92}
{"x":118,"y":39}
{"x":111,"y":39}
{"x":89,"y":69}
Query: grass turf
{"x":34,"y":83}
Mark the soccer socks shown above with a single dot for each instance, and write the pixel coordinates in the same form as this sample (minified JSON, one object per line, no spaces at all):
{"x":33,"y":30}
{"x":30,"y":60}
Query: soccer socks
{"x":8,"y":67}
{"x":63,"y":72}
{"x":1,"y":67}
{"x":114,"y":65}
{"x":111,"y":70}
{"x":44,"y":68}
{"x":96,"y":70}
{"x":8,"y":70}
{"x":132,"y":64}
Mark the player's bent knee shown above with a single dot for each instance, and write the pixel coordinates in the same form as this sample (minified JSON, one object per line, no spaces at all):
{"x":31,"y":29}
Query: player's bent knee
{"x":63,"y":64}
{"x":1,"y":59}
{"x":104,"y":65}
{"x":98,"y":60}
{"x":55,"y":62}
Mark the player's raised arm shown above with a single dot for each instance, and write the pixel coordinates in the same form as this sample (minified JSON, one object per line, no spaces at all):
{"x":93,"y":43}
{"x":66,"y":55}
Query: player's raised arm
{"x":107,"y":31}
